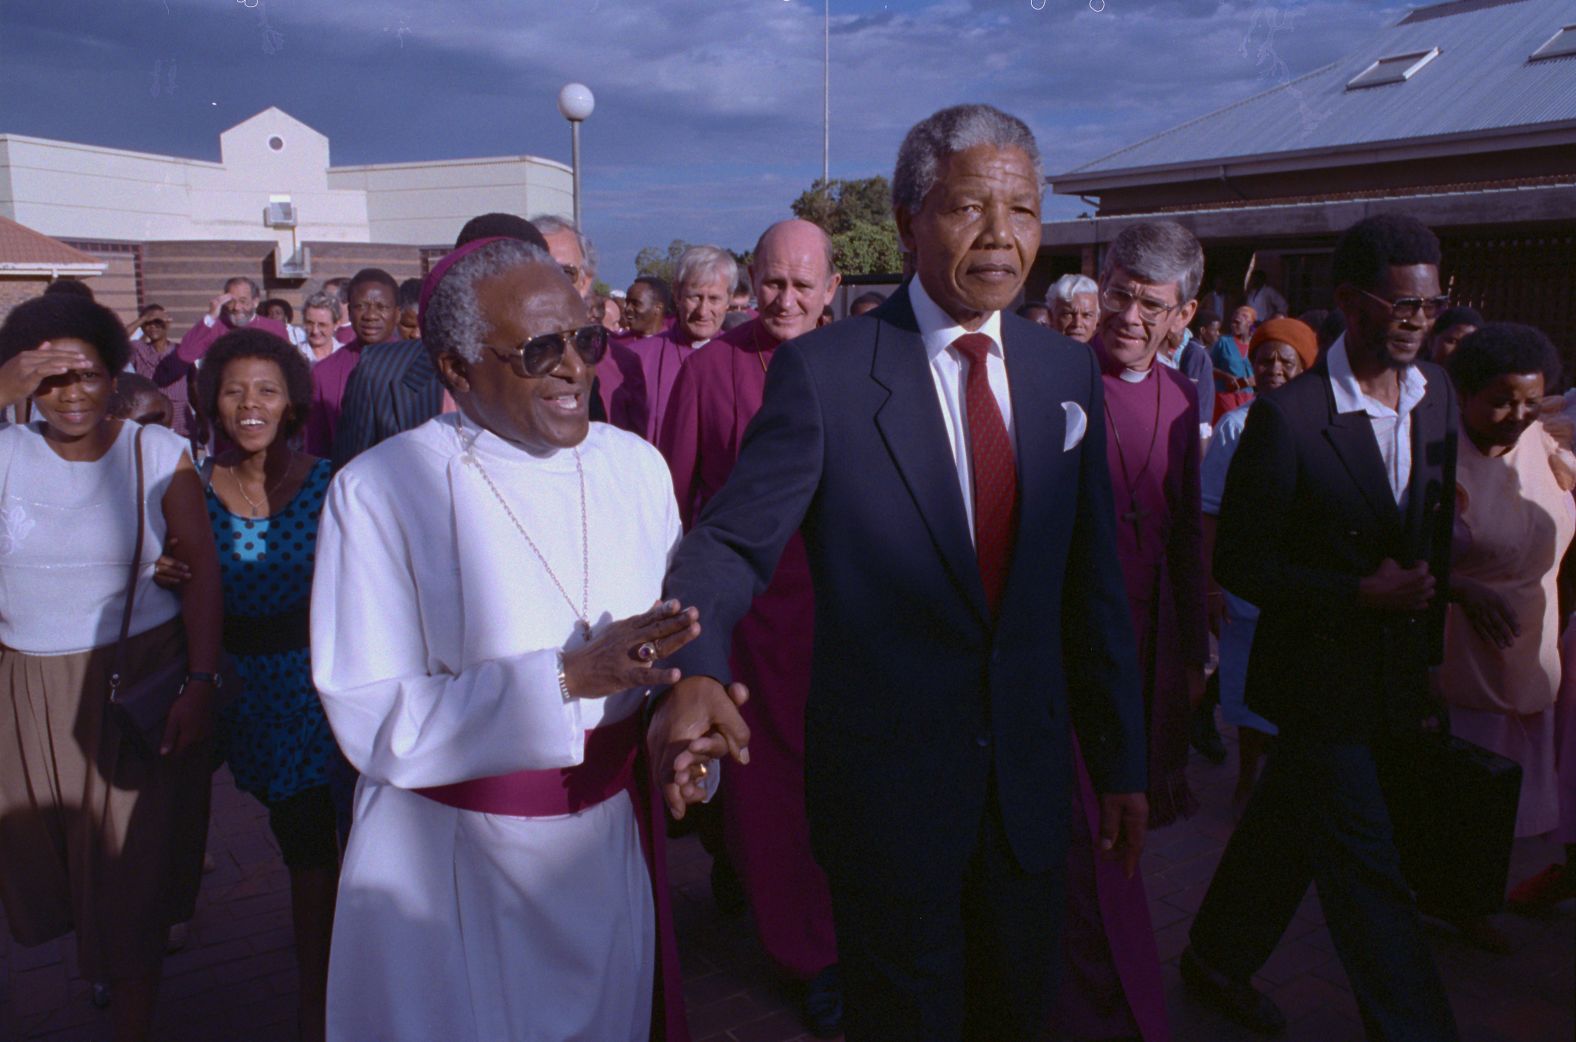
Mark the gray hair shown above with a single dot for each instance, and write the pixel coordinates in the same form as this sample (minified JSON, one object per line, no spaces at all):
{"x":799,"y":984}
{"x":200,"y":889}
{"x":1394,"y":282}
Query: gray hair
{"x":235,"y":280}
{"x":705,"y":264}
{"x":324,"y":302}
{"x":1069,"y":286}
{"x":452,"y":322}
{"x":551,"y":224}
{"x":949,"y":131}
{"x":1157,"y":252}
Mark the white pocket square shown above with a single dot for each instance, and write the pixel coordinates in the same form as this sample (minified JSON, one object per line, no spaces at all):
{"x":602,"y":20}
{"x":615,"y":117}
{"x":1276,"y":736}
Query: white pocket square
{"x":1077,"y":423}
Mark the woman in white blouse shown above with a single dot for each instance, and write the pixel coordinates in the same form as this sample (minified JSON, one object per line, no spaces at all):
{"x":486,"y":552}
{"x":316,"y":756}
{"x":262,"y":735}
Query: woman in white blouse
{"x":96,"y":836}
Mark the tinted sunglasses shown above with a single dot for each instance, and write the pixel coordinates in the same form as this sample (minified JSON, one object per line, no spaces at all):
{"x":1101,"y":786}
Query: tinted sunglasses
{"x":540,"y":355}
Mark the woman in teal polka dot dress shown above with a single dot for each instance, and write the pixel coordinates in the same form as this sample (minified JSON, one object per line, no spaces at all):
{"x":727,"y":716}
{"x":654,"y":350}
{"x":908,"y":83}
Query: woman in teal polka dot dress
{"x":264,"y":499}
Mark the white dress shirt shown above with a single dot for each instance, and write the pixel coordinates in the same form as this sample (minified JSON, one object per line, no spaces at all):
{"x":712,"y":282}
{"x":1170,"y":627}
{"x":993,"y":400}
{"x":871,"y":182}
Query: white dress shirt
{"x":1392,"y":427}
{"x":949,"y":369}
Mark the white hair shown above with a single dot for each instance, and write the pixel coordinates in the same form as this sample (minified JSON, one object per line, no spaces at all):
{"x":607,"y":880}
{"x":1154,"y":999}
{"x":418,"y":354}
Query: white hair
{"x":551,"y":224}
{"x":700,"y":264}
{"x":323,"y":302}
{"x":1069,"y":286}
{"x":452,"y":322}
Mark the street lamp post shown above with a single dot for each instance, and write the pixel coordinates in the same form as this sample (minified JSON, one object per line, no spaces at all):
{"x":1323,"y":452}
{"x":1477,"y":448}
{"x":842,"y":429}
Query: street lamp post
{"x":826,"y":93}
{"x":575,"y":103}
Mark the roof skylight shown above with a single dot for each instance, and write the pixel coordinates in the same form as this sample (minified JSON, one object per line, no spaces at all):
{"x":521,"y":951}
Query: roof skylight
{"x":1396,"y":68}
{"x":1561,"y":45}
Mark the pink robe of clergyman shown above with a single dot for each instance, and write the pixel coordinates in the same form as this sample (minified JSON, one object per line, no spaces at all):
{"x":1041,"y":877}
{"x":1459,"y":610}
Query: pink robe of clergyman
{"x":1159,"y":538}
{"x":201,"y":336}
{"x":713,"y":398}
{"x":640,"y":401}
{"x":330,"y":377}
{"x":1111,"y":985}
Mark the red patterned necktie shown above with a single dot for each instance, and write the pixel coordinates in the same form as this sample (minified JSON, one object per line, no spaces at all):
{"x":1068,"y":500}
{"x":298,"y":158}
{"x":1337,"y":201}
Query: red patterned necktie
{"x":994,"y":469}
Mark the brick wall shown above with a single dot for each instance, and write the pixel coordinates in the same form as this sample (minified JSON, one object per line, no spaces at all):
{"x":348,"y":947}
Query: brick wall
{"x":14,"y":290}
{"x":117,"y":288}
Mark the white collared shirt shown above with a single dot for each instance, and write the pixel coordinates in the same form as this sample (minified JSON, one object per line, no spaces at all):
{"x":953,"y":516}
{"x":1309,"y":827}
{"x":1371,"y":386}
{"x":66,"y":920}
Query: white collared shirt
{"x":949,"y":370}
{"x":1392,"y":427}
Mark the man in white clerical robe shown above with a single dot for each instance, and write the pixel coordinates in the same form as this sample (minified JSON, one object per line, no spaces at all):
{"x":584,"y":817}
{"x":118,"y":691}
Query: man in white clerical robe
{"x":496,"y":884}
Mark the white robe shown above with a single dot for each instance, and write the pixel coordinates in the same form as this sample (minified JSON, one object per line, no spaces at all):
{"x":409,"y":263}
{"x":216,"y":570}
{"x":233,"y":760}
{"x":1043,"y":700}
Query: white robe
{"x":435,"y":630}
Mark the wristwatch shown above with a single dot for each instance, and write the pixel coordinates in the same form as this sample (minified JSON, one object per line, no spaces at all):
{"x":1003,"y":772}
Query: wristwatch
{"x":211,"y":678}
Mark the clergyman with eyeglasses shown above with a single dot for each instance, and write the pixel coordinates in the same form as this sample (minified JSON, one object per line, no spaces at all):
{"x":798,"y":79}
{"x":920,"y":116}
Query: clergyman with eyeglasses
{"x":1336,"y":522}
{"x":486,"y":625}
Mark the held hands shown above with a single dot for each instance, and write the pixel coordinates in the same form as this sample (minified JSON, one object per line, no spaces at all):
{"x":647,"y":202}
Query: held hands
{"x":171,"y":572}
{"x":695,"y":722}
{"x":22,"y":375}
{"x":1492,"y":619}
{"x":625,"y":654}
{"x":1393,"y":588}
{"x":190,"y":720}
{"x":1124,"y":816}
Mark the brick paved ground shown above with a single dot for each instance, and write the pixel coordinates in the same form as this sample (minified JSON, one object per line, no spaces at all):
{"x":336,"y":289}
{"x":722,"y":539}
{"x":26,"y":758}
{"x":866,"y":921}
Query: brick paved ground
{"x":235,"y":981}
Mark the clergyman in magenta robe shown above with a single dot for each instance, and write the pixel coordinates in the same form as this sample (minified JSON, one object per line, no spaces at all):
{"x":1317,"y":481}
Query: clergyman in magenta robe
{"x":703,"y":282}
{"x":1111,"y":986}
{"x":715,"y":395}
{"x":374,"y":315}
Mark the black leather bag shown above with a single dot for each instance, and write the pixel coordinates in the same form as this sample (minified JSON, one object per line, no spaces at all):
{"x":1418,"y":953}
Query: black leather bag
{"x":140,"y":706}
{"x":1455,"y":823}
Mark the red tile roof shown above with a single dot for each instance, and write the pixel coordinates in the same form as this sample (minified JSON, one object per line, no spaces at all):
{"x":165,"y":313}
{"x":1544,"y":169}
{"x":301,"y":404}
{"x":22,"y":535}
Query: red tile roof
{"x":21,"y":245}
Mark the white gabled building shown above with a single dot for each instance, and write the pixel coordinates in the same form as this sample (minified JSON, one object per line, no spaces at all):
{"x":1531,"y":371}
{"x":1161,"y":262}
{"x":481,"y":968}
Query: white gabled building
{"x":272,"y":203}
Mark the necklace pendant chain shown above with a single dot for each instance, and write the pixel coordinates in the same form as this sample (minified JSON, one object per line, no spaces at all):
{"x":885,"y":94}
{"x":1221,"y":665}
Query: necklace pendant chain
{"x":584,"y":614}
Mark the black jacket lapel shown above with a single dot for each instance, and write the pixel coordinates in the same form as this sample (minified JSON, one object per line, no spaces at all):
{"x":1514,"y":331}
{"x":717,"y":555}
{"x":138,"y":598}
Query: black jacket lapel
{"x":420,"y":394}
{"x":912,"y":426}
{"x":1352,"y":437}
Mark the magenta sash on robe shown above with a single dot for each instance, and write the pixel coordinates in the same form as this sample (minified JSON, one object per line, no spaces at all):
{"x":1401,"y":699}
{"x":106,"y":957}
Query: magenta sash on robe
{"x":607,"y":769}
{"x":614,"y":762}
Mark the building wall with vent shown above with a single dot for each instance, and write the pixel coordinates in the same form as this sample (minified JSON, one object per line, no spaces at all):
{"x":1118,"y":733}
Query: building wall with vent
{"x":84,"y":192}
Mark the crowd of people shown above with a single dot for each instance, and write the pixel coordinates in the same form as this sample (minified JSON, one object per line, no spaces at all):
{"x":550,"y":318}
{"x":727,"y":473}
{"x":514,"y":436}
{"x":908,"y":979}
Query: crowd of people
{"x":476,"y":581}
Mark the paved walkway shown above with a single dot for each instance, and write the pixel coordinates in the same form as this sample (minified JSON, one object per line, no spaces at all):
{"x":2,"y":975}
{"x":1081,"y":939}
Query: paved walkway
{"x":235,"y":981}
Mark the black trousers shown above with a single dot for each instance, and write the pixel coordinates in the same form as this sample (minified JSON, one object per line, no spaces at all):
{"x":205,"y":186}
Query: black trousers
{"x":1320,"y":815}
{"x":976,"y":962}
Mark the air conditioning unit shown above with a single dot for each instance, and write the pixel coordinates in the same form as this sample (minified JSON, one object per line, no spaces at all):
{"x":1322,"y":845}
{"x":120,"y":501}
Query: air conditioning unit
{"x":297,"y":266}
{"x":281,"y":215}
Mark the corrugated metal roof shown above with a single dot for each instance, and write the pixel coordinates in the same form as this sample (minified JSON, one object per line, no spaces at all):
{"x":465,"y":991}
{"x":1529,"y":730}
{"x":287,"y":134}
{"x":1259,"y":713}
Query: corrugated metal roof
{"x":1481,"y":81}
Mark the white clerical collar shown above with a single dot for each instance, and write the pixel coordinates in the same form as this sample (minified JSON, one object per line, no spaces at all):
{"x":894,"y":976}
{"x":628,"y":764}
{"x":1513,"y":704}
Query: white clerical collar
{"x":938,"y":329}
{"x":1128,"y":376}
{"x":474,"y":438}
{"x":1349,"y":396}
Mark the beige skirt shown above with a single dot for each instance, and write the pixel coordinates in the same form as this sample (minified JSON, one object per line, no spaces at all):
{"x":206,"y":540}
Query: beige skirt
{"x":94,"y":837}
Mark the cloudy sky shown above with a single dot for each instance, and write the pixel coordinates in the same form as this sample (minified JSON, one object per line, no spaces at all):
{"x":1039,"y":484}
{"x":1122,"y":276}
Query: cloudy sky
{"x":708,"y":115}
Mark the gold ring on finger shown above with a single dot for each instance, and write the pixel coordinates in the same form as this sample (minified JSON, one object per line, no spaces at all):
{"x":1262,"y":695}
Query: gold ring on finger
{"x":645,"y":651}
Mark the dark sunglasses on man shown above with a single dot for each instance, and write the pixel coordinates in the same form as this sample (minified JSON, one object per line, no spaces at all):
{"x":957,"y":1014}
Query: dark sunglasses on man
{"x":1407,"y":307}
{"x":540,"y":355}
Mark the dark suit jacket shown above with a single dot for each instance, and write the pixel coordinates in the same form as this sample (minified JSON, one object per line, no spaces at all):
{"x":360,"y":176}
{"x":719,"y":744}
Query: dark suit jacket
{"x":922,"y":707}
{"x":395,"y":388}
{"x":1308,"y":512}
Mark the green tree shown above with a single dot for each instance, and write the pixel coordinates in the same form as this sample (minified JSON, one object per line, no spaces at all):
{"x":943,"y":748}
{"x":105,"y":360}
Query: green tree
{"x":664,"y":265}
{"x":839,"y":205}
{"x":655,"y":261}
{"x":858,"y":216}
{"x":869,"y":248}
